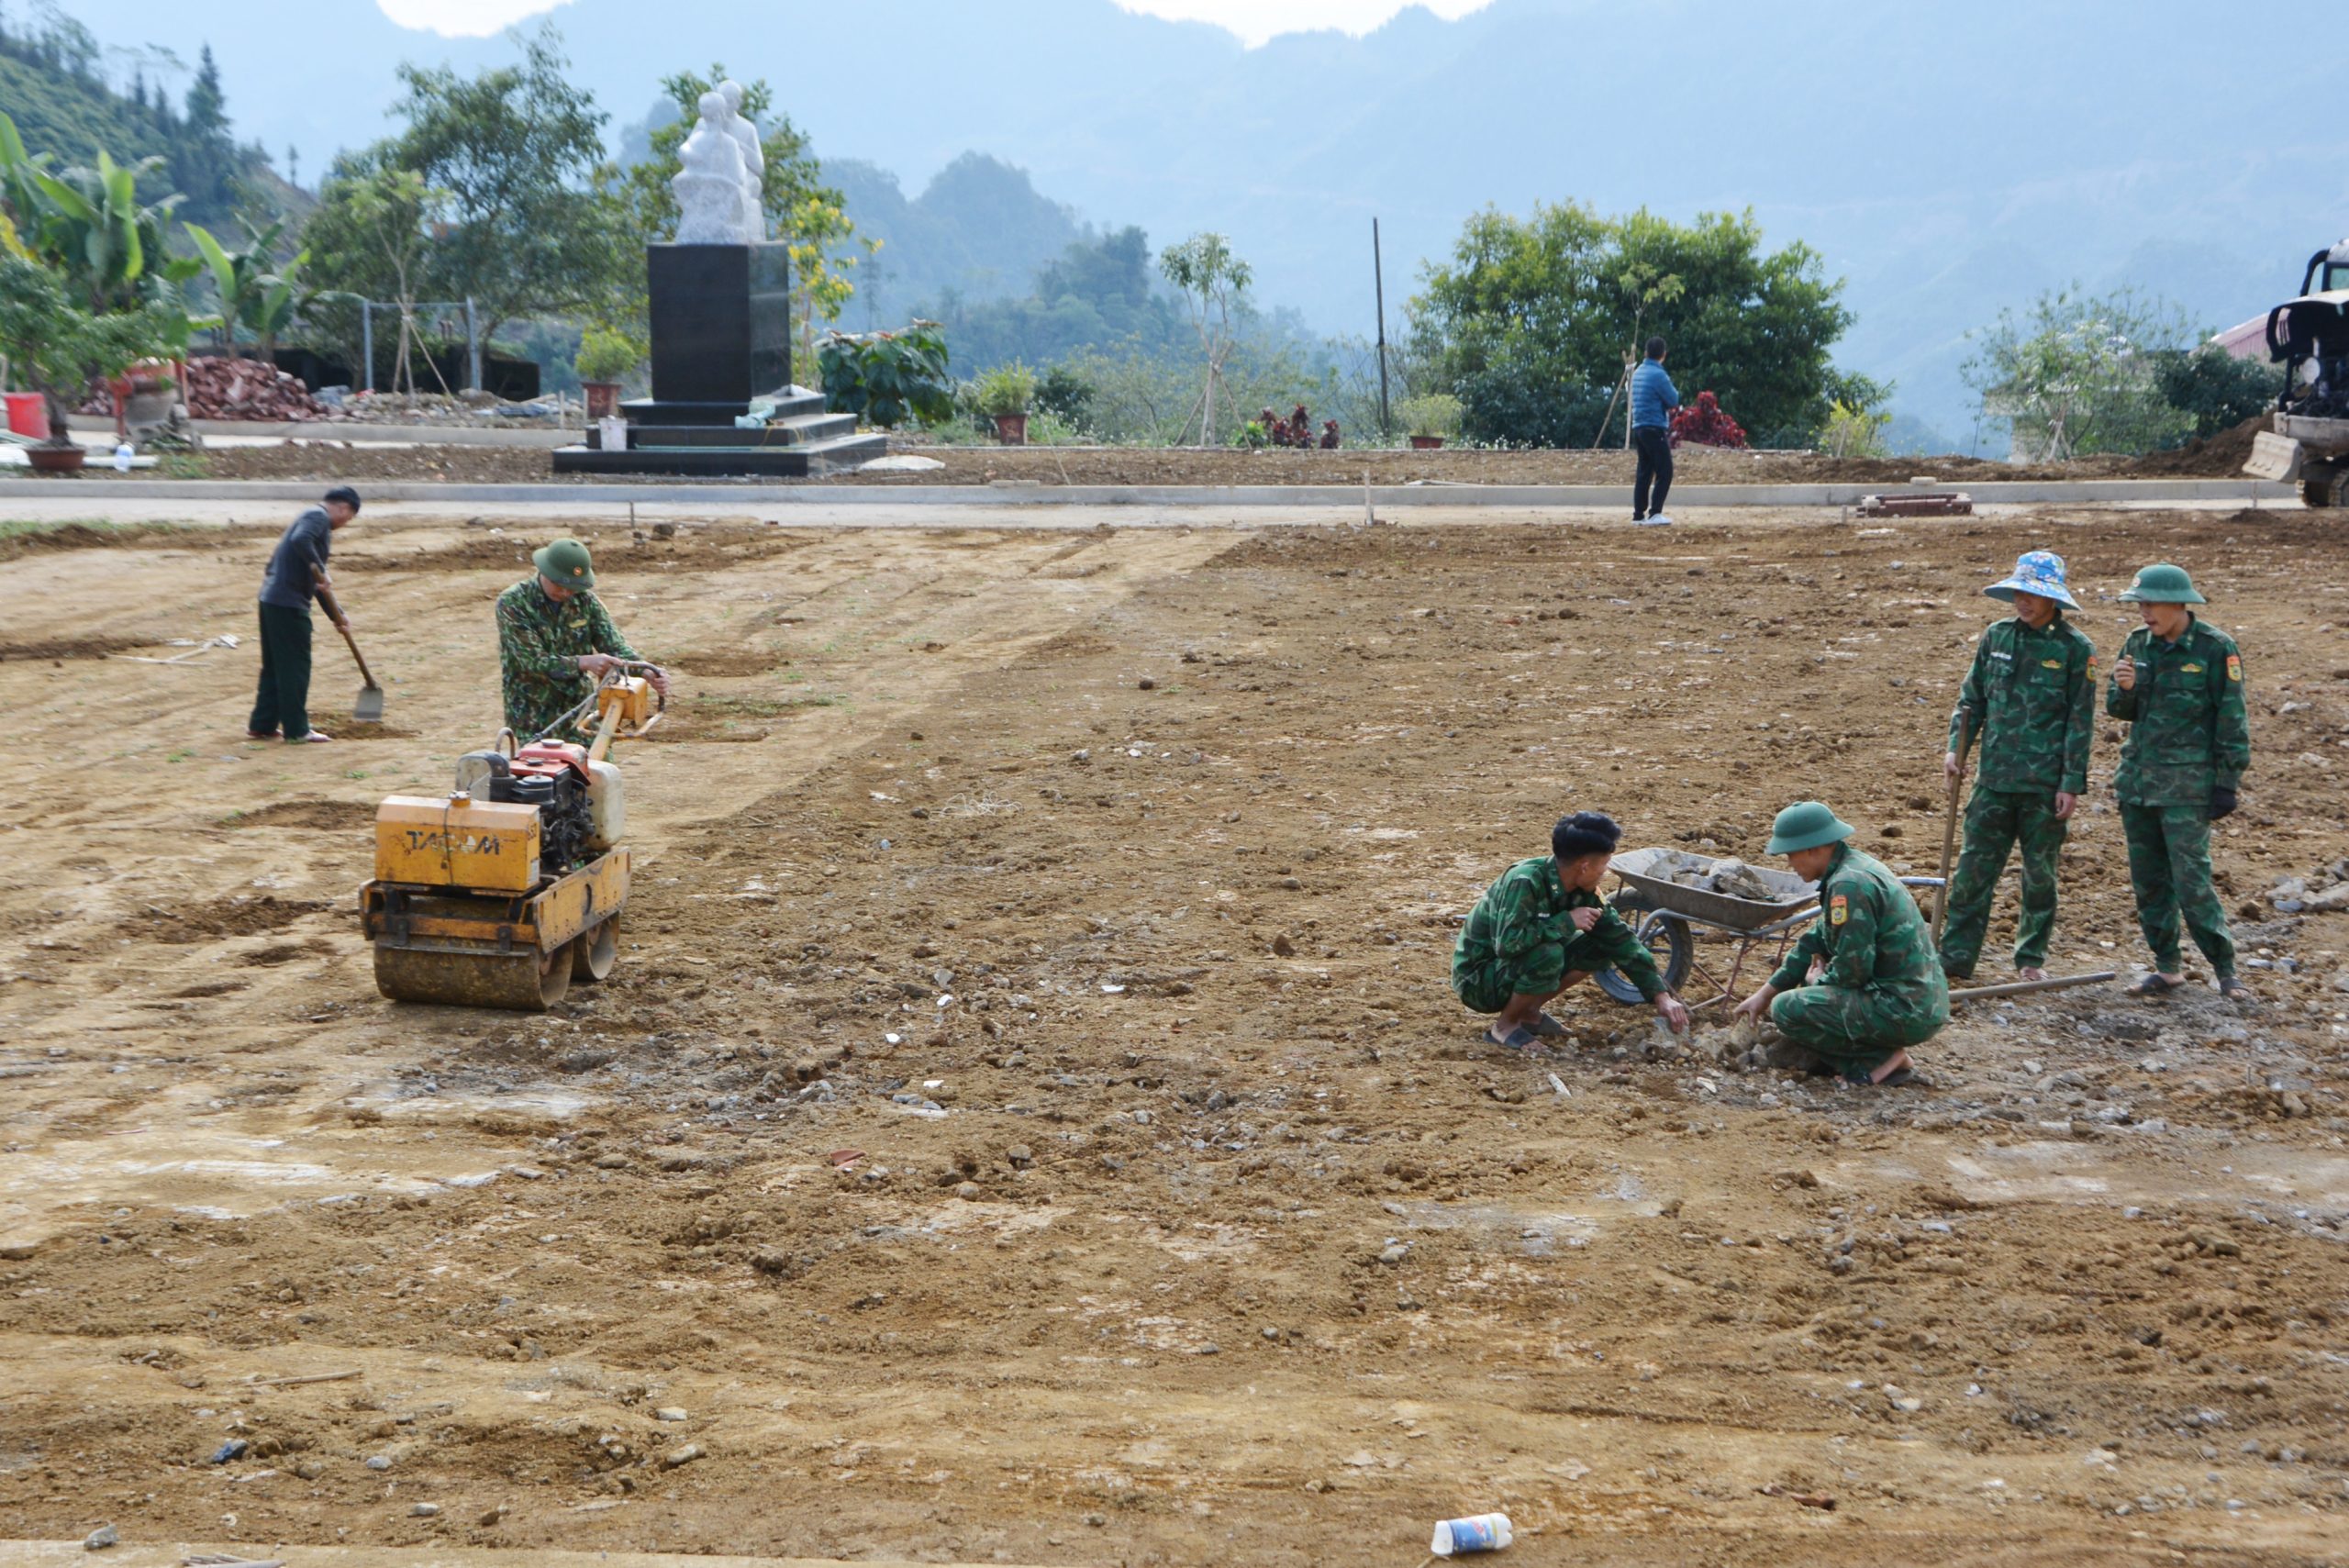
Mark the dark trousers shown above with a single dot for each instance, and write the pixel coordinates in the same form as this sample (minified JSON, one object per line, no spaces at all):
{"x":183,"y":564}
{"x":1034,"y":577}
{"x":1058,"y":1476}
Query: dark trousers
{"x":1654,"y":443}
{"x":282,"y":700}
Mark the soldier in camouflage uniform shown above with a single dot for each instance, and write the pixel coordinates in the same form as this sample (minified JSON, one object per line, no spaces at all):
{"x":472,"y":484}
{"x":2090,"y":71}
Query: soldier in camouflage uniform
{"x":2031,"y":700}
{"x":1862,"y":985}
{"x":554,"y":639}
{"x":1543,"y":927}
{"x":2178,"y":686}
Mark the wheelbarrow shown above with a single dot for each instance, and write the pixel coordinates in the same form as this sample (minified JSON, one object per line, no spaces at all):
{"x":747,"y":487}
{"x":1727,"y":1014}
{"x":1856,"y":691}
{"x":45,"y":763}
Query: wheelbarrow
{"x":1665,"y":915}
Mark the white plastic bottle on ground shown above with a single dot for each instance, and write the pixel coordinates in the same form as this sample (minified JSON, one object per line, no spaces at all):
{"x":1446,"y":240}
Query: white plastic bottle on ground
{"x":1481,"y":1532}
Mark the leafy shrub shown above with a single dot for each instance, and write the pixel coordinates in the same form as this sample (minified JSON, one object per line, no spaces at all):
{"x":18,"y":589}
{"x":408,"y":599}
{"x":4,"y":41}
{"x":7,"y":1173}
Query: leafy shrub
{"x":885,"y":378}
{"x":605,"y":355}
{"x":1007,"y":389}
{"x":1705,"y":425}
{"x":1853,"y":432}
{"x":1253,"y":435}
{"x":1502,"y":408}
{"x":1432,"y":414}
{"x":2213,"y":387}
{"x":1064,"y":392}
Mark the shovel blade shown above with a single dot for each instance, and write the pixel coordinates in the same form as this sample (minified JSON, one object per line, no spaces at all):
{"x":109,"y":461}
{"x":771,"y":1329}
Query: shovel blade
{"x":369,"y":708}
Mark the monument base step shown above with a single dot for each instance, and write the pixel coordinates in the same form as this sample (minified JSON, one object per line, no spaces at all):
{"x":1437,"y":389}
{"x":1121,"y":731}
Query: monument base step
{"x":807,"y":459}
{"x":790,"y":432}
{"x":790,"y":402}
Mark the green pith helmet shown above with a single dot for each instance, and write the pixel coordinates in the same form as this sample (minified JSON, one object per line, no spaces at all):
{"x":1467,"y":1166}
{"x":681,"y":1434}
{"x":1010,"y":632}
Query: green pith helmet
{"x":565,"y":565}
{"x":1805,"y":826}
{"x":2162,"y":585}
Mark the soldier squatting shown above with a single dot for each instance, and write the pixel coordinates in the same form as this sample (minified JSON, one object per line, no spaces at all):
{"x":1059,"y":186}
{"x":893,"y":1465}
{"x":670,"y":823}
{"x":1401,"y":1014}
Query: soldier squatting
{"x":1865,"y":982}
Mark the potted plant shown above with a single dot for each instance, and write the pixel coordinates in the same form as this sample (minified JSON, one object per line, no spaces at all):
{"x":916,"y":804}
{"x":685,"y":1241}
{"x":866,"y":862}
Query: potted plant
{"x":1431,"y":418}
{"x":60,"y":348}
{"x":1006,"y":393}
{"x":605,"y":356}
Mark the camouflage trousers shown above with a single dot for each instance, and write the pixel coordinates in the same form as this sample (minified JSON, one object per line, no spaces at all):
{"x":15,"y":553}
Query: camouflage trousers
{"x":1541,"y":970}
{"x":1995,"y":821}
{"x":2170,"y":870}
{"x":1853,"y":1031}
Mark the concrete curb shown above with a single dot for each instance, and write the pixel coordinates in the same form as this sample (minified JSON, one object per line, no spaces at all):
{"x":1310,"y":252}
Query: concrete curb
{"x":1394,"y":497}
{"x":359,"y":434}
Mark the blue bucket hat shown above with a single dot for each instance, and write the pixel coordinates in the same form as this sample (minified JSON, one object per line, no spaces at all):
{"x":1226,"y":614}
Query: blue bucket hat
{"x":2039,"y":572}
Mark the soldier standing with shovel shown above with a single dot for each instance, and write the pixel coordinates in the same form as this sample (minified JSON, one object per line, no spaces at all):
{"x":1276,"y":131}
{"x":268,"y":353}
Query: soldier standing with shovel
{"x":2029,"y":701}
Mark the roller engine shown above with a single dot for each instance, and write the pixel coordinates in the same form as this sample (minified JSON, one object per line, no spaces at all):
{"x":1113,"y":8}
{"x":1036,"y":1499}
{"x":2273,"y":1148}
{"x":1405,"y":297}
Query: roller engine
{"x":2308,"y":440}
{"x":504,"y":891}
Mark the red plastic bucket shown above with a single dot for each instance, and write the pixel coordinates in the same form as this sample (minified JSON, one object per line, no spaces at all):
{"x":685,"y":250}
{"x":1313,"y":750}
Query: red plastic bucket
{"x":29,"y":415}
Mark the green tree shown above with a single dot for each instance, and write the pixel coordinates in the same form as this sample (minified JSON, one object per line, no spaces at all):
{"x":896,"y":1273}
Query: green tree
{"x":1530,"y":319}
{"x":371,"y":233}
{"x":513,"y":151}
{"x":60,"y":346}
{"x":89,"y":225}
{"x":1213,"y":282}
{"x":2078,"y":374}
{"x":802,"y":211}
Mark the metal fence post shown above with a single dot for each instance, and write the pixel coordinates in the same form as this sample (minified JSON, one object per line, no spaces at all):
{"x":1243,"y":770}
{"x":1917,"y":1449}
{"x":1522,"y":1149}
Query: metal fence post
{"x":473,"y":345}
{"x":367,"y":338}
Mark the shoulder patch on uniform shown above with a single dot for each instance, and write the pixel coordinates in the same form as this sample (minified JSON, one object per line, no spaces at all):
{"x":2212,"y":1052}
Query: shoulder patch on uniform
{"x":2234,"y":666}
{"x":1839,"y":909}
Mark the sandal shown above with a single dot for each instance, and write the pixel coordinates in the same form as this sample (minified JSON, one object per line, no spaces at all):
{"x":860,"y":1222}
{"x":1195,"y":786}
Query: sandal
{"x":2155,"y":986}
{"x":260,"y":734}
{"x":2235,"y":990}
{"x":1518,"y":1039}
{"x":1547,"y":1028}
{"x":314,"y":737}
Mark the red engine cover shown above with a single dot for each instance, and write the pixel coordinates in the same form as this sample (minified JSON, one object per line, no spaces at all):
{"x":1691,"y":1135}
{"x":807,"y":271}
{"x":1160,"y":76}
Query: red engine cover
{"x":544,"y":759}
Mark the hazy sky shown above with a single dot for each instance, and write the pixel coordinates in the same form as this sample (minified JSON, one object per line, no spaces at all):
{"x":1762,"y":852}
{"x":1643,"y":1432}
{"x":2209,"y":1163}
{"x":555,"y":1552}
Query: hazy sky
{"x":1253,"y":20}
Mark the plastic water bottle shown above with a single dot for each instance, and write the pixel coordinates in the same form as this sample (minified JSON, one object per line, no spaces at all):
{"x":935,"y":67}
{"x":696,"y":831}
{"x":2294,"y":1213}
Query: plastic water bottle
{"x":1480,"y":1532}
{"x":122,"y":458}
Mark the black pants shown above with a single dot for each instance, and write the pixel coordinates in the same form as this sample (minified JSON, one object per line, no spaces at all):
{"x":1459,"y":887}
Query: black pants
{"x":1655,"y":467}
{"x":282,"y":700}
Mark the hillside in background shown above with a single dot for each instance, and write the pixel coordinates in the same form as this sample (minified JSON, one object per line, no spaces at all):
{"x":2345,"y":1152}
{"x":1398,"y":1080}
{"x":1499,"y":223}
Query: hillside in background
{"x":51,"y":87}
{"x":1948,"y":161}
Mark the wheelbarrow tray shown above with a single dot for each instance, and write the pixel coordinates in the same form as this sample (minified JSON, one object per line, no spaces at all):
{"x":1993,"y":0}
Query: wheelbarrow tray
{"x":1651,"y":871}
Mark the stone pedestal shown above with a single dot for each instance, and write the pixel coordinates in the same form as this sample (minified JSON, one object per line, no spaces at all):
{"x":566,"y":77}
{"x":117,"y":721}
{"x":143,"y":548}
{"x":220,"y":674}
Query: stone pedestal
{"x":721,"y":331}
{"x":721,"y":341}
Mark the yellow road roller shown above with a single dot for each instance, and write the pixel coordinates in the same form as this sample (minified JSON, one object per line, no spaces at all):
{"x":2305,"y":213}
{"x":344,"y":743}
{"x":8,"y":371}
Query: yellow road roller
{"x":510,"y":887}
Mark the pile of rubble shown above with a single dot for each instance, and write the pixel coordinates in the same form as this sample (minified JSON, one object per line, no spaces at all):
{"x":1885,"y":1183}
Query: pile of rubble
{"x":2316,"y":893}
{"x":220,"y":388}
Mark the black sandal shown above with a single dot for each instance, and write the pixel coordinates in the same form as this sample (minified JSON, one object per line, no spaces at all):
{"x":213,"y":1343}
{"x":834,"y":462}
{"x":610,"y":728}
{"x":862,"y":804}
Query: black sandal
{"x":2155,"y":986}
{"x":2235,"y":990}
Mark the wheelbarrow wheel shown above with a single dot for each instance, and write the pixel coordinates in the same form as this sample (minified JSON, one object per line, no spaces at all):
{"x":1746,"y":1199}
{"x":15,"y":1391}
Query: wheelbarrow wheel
{"x":1665,"y":935}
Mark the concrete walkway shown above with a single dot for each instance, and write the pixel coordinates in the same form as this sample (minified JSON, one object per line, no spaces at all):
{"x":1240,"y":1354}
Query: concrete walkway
{"x":1385,"y":498}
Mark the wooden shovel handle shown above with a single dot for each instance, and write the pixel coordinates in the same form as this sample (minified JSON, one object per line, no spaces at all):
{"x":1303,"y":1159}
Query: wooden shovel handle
{"x":363,"y":674}
{"x":1949,"y":836}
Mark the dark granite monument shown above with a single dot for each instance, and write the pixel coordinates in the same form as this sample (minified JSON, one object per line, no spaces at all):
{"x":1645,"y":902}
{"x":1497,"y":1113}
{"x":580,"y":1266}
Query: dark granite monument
{"x":721,"y":351}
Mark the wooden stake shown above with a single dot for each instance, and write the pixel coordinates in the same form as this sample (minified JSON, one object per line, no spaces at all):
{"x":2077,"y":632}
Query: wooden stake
{"x":1948,"y":838}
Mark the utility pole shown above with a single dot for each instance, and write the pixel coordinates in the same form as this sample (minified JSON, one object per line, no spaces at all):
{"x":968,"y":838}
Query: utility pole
{"x":1379,"y":282}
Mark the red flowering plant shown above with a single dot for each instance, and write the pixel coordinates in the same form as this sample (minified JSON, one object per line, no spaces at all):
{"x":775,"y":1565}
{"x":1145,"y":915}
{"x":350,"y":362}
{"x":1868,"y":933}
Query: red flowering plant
{"x":1705,"y":424}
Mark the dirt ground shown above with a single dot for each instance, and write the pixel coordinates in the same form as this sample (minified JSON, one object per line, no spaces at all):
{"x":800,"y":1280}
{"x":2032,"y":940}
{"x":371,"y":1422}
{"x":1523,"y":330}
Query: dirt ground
{"x":1029,"y":1121}
{"x":325,"y":461}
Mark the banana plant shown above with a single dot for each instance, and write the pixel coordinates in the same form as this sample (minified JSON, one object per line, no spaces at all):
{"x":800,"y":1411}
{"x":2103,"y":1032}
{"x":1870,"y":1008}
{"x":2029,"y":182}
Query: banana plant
{"x":247,"y":291}
{"x":88,"y":223}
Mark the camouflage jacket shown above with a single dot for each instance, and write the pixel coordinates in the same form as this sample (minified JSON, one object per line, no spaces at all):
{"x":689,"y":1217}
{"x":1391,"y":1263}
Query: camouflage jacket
{"x":539,"y":643}
{"x":2187,"y":731}
{"x":2030,"y":703}
{"x":1872,"y":935}
{"x":1526,"y":908}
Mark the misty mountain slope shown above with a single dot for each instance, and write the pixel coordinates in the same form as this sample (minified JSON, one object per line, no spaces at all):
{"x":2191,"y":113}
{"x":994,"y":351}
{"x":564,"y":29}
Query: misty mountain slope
{"x":2049,"y":141}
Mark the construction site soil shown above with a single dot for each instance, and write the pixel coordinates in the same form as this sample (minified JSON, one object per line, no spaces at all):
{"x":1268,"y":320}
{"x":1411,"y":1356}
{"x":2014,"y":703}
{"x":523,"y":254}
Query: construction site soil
{"x":1029,"y":1121}
{"x":324,"y":461}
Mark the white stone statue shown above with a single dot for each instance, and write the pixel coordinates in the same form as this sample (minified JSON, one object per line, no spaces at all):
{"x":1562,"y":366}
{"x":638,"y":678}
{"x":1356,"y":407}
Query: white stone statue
{"x":754,"y":161}
{"x":709,"y":187}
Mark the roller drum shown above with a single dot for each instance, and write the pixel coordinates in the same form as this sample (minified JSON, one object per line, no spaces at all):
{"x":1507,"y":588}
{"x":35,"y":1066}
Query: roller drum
{"x":524,"y":982}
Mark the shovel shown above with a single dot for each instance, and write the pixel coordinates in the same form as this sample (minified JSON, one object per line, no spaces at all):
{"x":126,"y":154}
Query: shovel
{"x":369,"y":708}
{"x":1949,"y":836}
